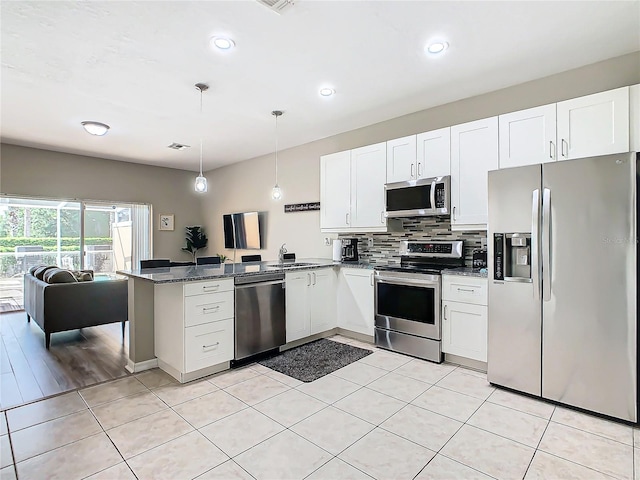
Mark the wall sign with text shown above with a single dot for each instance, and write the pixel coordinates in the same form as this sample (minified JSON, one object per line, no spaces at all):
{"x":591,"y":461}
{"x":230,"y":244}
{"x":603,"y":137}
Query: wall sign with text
{"x":301,"y":207}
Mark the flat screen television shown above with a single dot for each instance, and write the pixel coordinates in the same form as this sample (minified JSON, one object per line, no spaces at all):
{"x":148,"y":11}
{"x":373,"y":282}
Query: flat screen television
{"x":242,"y":230}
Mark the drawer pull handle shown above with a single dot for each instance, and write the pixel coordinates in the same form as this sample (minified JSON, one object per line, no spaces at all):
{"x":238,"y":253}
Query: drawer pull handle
{"x":210,"y":287}
{"x":207,"y":309}
{"x":204,"y":347}
{"x":470,"y":290}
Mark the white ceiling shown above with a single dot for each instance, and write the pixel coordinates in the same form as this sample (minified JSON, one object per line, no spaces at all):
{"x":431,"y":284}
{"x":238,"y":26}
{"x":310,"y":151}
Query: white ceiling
{"x":133,"y":65}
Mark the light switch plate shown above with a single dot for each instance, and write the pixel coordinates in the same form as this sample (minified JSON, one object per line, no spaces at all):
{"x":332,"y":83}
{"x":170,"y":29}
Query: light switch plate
{"x":370,"y":242}
{"x":327,"y":241}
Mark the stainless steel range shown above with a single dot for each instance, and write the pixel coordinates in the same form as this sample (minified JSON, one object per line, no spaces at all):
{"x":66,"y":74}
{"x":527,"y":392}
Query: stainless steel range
{"x":408,"y":298}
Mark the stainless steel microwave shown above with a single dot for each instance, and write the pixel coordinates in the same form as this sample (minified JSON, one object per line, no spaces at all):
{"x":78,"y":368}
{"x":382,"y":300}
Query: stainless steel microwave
{"x":418,"y":198}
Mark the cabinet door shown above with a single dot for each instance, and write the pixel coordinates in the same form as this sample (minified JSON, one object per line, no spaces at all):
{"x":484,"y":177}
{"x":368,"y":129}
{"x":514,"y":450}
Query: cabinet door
{"x":401,"y":159}
{"x":335,"y":188}
{"x":355,"y":300}
{"x":322,"y":294}
{"x":297,"y":315}
{"x":464,"y":330}
{"x":434,"y":153}
{"x":528,"y":137}
{"x":474,"y":151}
{"x":634,"y":118}
{"x":368,"y":175}
{"x":594,"y":125}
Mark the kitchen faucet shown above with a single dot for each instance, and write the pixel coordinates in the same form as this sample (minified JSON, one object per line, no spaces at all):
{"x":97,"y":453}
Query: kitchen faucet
{"x":281,"y":253}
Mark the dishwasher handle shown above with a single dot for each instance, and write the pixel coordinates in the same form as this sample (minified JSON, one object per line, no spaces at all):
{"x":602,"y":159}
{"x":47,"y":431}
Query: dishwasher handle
{"x":259,"y":279}
{"x":260,"y":284}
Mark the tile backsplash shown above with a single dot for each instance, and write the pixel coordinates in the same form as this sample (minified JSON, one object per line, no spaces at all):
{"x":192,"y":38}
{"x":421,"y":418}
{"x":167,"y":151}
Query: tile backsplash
{"x":386,"y":245}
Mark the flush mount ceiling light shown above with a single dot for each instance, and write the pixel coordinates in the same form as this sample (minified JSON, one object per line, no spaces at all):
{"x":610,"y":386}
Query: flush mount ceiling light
{"x":436,"y":47}
{"x":276,"y":191}
{"x":327,"y":92}
{"x":223,"y":43}
{"x":201,"y":181}
{"x":96,"y":128}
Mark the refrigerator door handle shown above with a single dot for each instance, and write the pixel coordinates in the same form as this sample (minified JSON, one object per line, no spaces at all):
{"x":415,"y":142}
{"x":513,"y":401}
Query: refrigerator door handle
{"x":535,"y":245}
{"x":546,"y":245}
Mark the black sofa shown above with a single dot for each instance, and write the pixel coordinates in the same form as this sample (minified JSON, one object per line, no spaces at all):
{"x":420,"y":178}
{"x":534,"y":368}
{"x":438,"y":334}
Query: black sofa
{"x":57,"y":307}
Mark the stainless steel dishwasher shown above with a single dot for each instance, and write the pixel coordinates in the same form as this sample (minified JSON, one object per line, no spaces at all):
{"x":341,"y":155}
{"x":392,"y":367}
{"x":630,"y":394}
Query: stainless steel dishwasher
{"x":260,"y":314}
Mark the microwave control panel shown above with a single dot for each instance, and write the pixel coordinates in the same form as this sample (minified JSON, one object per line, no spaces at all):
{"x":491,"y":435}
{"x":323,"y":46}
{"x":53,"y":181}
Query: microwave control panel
{"x":441,"y":199}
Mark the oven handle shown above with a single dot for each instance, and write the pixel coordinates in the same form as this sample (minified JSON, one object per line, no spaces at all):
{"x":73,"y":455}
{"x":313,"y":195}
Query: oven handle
{"x":408,"y":281}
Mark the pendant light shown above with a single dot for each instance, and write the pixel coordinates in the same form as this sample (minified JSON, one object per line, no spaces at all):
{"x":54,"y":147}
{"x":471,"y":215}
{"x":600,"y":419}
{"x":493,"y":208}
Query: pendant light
{"x":201,"y":181}
{"x":276,"y":191}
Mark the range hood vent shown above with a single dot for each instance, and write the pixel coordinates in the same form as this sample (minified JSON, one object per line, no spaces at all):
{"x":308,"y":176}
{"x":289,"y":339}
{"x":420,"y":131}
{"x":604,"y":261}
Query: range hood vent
{"x":277,"y":6}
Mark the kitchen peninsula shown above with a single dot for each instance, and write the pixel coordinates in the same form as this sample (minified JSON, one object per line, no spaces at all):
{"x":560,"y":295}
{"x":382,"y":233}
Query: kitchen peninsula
{"x":182,"y":318}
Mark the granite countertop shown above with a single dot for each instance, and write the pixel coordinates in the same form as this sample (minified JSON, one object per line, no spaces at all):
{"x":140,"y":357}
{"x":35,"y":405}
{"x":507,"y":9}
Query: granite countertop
{"x":229,"y":270}
{"x":466,"y":272}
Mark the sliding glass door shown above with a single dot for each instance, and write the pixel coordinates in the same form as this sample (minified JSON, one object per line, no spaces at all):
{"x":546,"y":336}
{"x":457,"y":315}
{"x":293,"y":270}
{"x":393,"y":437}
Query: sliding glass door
{"x":35,"y":232}
{"x":116,"y":236}
{"x":103,"y":237}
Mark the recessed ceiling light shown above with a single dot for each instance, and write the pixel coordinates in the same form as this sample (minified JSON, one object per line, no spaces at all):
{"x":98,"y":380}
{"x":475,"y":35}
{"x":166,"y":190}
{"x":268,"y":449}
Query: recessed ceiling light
{"x":223,"y":43}
{"x":437,"y":47}
{"x":96,"y":128}
{"x":327,"y":92}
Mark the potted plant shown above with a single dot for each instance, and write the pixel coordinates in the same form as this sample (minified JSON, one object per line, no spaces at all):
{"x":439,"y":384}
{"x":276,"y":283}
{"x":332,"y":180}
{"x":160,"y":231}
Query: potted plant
{"x":196,"y":240}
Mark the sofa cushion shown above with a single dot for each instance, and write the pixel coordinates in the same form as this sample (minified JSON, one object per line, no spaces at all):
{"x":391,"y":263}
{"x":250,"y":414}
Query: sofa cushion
{"x":58,"y":275}
{"x":39,"y":272}
{"x":35,"y":267}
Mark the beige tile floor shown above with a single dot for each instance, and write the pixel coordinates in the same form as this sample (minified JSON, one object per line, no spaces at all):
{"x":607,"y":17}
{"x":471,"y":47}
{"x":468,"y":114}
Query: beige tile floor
{"x":385,"y":416}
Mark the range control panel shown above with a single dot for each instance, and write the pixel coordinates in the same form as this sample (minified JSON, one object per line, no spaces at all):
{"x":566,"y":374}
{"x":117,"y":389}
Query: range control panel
{"x":450,"y":249}
{"x":430,"y":248}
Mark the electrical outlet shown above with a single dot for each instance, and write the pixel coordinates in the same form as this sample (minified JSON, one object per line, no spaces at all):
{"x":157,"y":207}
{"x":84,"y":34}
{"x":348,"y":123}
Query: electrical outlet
{"x":370,"y":242}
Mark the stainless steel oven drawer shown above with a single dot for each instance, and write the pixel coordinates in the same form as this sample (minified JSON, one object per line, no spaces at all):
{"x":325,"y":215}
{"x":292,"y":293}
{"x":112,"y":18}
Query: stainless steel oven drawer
{"x":420,"y":347}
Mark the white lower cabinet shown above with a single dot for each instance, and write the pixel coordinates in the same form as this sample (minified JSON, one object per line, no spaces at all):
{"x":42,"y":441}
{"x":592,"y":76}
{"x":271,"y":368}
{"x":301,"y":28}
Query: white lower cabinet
{"x":193,"y":326}
{"x":310,"y":302}
{"x":355,"y":300}
{"x":464,"y":316}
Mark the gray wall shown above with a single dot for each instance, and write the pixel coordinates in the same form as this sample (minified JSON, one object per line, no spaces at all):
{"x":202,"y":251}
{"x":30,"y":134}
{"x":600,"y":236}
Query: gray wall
{"x":43,"y":173}
{"x":247,"y":185}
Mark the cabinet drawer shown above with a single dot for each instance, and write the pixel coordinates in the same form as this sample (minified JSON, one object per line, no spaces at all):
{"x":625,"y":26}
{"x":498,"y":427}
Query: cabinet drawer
{"x":200,"y":309}
{"x":458,"y":288}
{"x":208,"y":344}
{"x":208,"y":286}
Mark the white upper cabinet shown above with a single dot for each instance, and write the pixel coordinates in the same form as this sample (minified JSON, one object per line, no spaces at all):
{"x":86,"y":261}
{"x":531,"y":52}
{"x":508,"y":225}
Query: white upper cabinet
{"x":352,"y":190}
{"x":474,"y":151}
{"x":528,"y":137}
{"x":335,"y":190}
{"x":594,"y":125}
{"x":368,"y":174}
{"x":634,"y":118}
{"x":434,"y":153}
{"x":401,"y":159}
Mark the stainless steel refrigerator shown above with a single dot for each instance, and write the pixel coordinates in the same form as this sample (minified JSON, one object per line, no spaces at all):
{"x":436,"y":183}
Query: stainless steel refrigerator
{"x":563,"y":275}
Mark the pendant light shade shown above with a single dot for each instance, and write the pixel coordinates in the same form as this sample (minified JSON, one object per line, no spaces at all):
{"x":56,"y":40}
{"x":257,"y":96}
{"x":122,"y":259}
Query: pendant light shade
{"x":201,"y":181}
{"x":276,"y":191}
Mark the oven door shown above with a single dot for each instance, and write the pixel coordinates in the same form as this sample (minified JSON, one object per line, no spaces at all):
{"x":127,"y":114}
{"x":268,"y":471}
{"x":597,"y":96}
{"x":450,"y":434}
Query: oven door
{"x":408,"y":303}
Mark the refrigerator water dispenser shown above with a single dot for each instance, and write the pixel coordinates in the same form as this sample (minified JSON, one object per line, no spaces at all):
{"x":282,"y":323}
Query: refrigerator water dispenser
{"x":512,"y":258}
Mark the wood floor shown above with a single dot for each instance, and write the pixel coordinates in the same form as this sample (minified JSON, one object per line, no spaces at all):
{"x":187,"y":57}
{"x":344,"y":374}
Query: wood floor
{"x":78,"y":358}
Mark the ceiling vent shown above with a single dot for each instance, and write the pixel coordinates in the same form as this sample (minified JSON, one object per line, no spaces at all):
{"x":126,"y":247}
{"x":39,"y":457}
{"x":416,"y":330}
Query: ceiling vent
{"x":277,"y":6}
{"x":178,"y":146}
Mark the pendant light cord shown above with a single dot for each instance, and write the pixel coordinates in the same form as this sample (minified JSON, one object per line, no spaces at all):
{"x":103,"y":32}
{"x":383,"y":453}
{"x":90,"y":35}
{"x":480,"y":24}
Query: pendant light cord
{"x":201,"y":134}
{"x":277,"y":149}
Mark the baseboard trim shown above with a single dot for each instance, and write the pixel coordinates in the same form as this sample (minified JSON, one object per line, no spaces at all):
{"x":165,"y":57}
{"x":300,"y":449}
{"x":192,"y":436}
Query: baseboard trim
{"x":133,"y":367}
{"x":362,"y":337}
{"x":466,"y":362}
{"x":188,"y":377}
